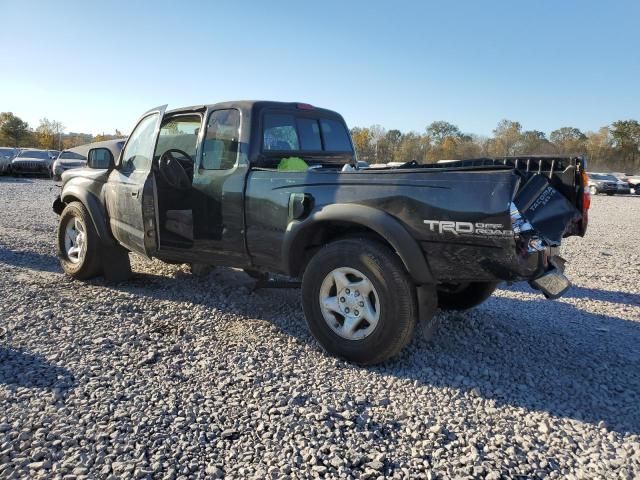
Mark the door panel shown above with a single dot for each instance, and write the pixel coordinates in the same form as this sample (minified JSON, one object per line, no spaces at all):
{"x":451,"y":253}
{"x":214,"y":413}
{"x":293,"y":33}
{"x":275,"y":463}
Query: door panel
{"x":218,"y":189}
{"x":130,"y":192}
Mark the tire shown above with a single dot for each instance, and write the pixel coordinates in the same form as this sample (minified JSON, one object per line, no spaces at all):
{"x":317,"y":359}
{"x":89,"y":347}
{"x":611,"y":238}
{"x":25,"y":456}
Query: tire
{"x":83,"y":263}
{"x":467,"y":296}
{"x":593,"y":190}
{"x":391,"y":303}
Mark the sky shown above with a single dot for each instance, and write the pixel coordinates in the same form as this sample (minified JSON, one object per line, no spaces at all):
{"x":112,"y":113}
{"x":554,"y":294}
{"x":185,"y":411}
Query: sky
{"x":97,"y":66}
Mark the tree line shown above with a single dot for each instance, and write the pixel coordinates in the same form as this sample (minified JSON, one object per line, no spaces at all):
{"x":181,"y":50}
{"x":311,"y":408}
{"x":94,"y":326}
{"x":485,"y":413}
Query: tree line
{"x":615,"y":147}
{"x":48,"y":135}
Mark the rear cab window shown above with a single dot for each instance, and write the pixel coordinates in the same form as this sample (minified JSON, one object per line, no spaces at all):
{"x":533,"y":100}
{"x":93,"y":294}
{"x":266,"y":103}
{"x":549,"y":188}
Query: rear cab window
{"x":291,"y":134}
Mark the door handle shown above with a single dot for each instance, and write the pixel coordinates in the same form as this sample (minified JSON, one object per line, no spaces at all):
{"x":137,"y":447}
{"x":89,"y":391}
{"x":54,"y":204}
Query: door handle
{"x":135,"y":193}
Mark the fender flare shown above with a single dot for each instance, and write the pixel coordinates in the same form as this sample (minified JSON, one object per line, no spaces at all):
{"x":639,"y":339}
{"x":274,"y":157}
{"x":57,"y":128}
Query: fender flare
{"x":96,"y":210}
{"x":380,"y":222}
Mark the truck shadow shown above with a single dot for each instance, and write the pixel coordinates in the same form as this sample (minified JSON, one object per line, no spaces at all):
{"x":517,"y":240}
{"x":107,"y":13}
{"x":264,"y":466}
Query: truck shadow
{"x":23,"y":369}
{"x":611,"y":296}
{"x":28,"y":259}
{"x":538,"y":355}
{"x":533,"y":354}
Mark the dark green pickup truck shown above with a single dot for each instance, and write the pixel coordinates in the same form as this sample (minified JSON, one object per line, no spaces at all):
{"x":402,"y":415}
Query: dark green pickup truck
{"x":275,"y":187}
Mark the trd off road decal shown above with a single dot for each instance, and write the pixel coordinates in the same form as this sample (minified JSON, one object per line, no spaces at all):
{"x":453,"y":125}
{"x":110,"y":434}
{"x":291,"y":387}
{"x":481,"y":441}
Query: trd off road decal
{"x":468,"y":228}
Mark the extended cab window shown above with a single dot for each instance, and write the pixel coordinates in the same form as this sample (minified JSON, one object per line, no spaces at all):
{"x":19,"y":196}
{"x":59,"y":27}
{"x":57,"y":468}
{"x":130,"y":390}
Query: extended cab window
{"x":280,"y":132}
{"x":220,"y":149}
{"x":335,"y":136}
{"x":287,"y":132}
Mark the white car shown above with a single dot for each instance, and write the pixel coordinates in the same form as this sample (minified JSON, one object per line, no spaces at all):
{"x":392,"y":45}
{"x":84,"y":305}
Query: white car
{"x":634,"y":183}
{"x":67,"y":160}
{"x":6,"y":155}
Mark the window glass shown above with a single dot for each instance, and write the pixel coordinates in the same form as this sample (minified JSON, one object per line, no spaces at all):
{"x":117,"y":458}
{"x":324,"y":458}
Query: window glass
{"x":220,"y":148}
{"x":101,"y":158}
{"x":39,"y":154}
{"x":336,"y":138}
{"x":137,"y":153}
{"x":71,"y":156}
{"x":309,"y":132}
{"x":280,"y":132}
{"x":181,"y":133}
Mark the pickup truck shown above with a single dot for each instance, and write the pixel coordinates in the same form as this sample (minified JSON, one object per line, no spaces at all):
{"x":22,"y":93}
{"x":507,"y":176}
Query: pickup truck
{"x":276,"y":188}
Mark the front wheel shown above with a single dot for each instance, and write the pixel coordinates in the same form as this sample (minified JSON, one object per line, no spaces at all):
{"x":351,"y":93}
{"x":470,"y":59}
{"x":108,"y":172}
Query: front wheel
{"x":78,"y":243}
{"x":359,"y":301}
{"x":593,"y":190}
{"x":465,"y":296}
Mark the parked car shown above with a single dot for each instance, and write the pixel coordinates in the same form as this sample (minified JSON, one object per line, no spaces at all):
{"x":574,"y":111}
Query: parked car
{"x":623,"y":185}
{"x":7,"y":154}
{"x":634,"y":183}
{"x":33,"y":162}
{"x":260,"y":186}
{"x":602,"y":183}
{"x":77,"y":157}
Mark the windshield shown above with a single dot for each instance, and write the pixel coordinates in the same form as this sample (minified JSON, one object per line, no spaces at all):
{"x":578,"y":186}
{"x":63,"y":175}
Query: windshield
{"x":602,"y":176}
{"x":40,"y":154}
{"x":71,"y":156}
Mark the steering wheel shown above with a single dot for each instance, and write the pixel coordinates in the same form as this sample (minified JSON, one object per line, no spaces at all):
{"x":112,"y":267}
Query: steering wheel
{"x":172,"y":171}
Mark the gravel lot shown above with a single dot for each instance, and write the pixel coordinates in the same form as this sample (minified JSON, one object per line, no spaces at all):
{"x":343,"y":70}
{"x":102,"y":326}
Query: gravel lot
{"x":173,"y":376}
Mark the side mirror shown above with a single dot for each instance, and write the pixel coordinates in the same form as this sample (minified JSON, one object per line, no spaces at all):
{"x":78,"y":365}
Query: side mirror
{"x":100,"y":158}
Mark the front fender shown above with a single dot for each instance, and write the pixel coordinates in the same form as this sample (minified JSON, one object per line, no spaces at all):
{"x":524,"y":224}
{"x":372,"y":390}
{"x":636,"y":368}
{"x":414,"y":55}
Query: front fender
{"x":380,"y":222}
{"x":93,"y":205}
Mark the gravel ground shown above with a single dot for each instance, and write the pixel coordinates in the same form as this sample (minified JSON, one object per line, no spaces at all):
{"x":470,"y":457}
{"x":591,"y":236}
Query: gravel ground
{"x":173,"y":376}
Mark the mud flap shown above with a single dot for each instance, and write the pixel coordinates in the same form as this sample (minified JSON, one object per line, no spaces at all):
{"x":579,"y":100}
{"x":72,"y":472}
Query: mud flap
{"x":427,"y":307}
{"x":116,"y":264}
{"x":549,"y":212}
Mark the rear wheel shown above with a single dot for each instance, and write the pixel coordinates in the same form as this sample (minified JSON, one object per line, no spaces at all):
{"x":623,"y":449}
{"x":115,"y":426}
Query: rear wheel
{"x":359,"y":301}
{"x":593,"y":190}
{"x":465,"y":296}
{"x":78,"y":243}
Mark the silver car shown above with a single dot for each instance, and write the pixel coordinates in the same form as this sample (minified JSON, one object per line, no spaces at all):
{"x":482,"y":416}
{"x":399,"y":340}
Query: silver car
{"x":32,"y":161}
{"x":67,"y":160}
{"x":6,"y":155}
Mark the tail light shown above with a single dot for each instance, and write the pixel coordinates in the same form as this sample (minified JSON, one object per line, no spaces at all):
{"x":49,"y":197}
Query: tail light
{"x":586,"y":200}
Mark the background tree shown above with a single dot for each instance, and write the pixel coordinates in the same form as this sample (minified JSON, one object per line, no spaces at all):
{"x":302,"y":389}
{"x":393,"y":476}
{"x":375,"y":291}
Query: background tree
{"x":625,"y":135}
{"x":14,"y":132}
{"x":535,"y":142}
{"x":439,"y":131}
{"x":569,"y":140}
{"x":48,"y":135}
{"x":507,"y":139}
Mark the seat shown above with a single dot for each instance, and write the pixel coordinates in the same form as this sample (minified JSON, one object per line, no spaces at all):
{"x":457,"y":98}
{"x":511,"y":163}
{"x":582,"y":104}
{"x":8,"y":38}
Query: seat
{"x":180,"y":222}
